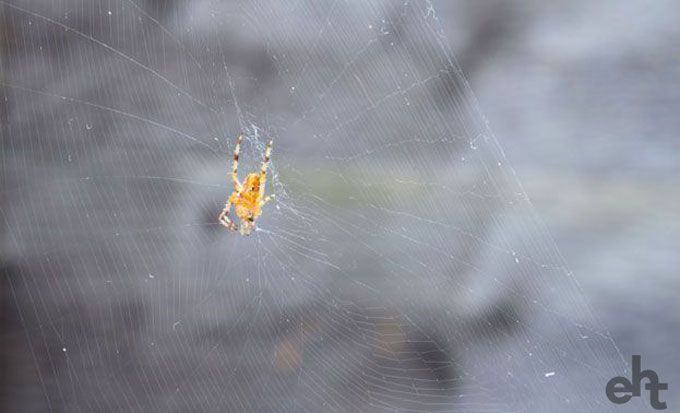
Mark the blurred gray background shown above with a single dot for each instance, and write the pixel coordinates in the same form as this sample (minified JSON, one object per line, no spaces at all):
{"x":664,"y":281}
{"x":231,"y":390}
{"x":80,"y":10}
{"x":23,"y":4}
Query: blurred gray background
{"x":584,"y":99}
{"x":402,"y":268}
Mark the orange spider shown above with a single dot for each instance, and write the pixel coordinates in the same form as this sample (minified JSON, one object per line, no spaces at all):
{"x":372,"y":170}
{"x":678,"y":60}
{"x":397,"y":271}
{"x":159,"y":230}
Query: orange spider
{"x":248,"y":198}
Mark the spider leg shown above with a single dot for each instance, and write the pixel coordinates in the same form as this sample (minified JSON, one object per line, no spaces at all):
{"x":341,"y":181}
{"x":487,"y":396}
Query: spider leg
{"x":263,"y":169}
{"x":234,"y":168}
{"x":267,"y":199}
{"x":224,"y":216}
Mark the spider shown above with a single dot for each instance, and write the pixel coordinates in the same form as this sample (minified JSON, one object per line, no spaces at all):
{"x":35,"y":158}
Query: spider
{"x":248,"y":198}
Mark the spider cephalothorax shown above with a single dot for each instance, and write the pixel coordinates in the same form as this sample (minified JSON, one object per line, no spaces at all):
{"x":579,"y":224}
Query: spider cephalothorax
{"x":247,"y":198}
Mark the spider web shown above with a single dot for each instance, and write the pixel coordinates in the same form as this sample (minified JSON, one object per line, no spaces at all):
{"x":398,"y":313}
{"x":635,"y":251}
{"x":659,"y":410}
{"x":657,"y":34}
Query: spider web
{"x":401,"y":266}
